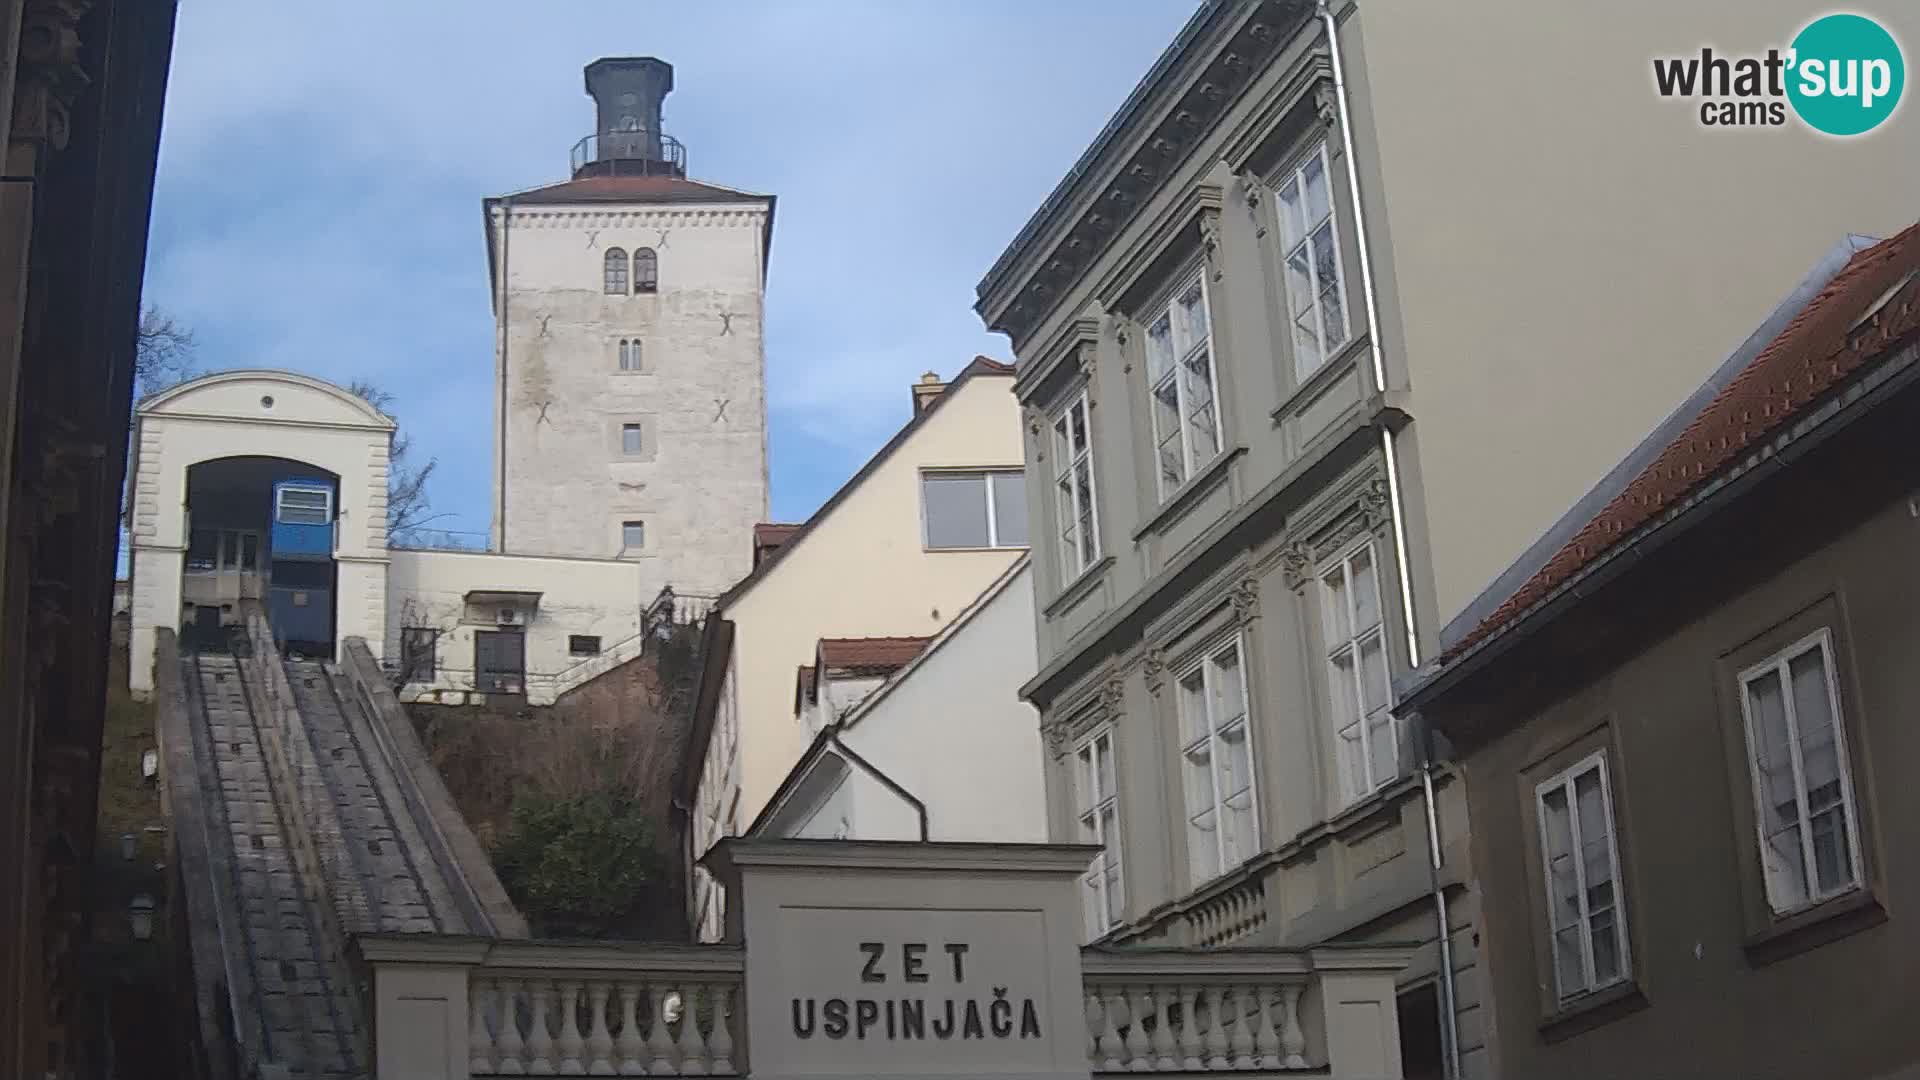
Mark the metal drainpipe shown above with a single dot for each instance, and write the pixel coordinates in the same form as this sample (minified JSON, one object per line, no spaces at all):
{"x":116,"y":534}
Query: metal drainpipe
{"x":1449,"y":1022}
{"x":506,"y":234}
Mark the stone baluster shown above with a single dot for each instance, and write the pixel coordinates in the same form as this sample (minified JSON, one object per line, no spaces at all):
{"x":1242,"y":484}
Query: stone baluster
{"x":1095,"y":1014}
{"x":479,"y":1040}
{"x":510,"y":1048}
{"x":1217,"y":1028}
{"x":721,"y":1043}
{"x":539,"y":1039}
{"x":600,"y":1040}
{"x":1190,"y":1029}
{"x":1163,"y":1041}
{"x":658,"y":1044}
{"x":631,"y":1048}
{"x":1111,"y":1002}
{"x":1293,"y":1041}
{"x":1266,"y":1042}
{"x":693,"y":1050}
{"x":1137,"y":1059}
{"x":1240,"y":1029}
{"x":570,"y":1044}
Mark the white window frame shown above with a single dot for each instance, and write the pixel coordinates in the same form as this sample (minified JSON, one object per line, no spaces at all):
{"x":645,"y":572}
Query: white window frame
{"x":1297,"y":177}
{"x":993,"y":517}
{"x":1088,"y":817}
{"x":1078,"y":552}
{"x":280,"y":504}
{"x":1207,"y":663}
{"x":1182,"y":352}
{"x":615,"y":276}
{"x":1779,"y":664}
{"x":1565,"y":989}
{"x":1343,"y":563}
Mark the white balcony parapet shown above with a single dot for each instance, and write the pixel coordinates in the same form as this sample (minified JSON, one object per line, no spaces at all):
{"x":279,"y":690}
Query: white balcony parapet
{"x":530,"y":1008}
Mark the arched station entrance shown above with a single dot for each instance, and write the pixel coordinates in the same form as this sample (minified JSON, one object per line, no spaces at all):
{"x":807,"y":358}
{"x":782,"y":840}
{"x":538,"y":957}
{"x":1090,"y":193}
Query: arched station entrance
{"x":261,"y":528}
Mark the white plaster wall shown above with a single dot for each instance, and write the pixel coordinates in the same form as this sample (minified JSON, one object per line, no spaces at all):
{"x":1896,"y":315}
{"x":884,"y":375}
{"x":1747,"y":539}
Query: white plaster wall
{"x":602,"y":597}
{"x":1560,"y":269}
{"x":954,"y":732}
{"x":225,"y":415}
{"x":701,"y":482}
{"x":863,"y":571}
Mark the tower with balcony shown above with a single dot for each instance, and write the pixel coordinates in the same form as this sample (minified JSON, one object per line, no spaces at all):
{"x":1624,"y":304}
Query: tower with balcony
{"x":629,"y":404}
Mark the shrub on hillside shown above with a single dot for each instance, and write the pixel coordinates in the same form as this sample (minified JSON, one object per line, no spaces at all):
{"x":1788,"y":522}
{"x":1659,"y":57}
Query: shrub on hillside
{"x":583,"y":865}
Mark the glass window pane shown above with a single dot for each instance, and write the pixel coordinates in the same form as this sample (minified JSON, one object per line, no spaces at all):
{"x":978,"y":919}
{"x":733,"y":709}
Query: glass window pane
{"x":1339,"y":621}
{"x":1203,"y":847}
{"x":249,"y":551}
{"x":633,"y":534}
{"x":629,"y":438}
{"x":1319,"y":202}
{"x":1160,"y":348}
{"x":1366,"y":590}
{"x":1193,"y":317}
{"x":1375,"y":687}
{"x":1333,"y":315}
{"x":203,"y":549}
{"x":1300,"y":288}
{"x":1116,"y":893}
{"x":1173,"y":462}
{"x":1229,"y":687}
{"x":1563,"y":886}
{"x":1193,"y":705}
{"x":1010,"y":509}
{"x":1077,"y":419}
{"x":1236,"y":763}
{"x":1291,"y":227}
{"x":1103,"y":771}
{"x":1781,"y":854}
{"x":1203,"y":426}
{"x":1568,"y":964}
{"x":1238,"y":837}
{"x":1606,"y":947}
{"x":956,"y":509}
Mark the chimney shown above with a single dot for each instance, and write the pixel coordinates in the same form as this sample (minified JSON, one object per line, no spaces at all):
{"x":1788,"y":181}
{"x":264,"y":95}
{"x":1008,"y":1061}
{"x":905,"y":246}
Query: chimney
{"x":627,"y":93}
{"x":924,"y":391}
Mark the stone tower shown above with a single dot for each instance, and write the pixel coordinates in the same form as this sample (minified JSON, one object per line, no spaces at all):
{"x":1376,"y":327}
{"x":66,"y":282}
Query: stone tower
{"x":630,"y":393}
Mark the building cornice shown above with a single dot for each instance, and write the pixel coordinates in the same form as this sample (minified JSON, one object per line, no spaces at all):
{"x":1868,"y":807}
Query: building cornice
{"x":1181,"y":101}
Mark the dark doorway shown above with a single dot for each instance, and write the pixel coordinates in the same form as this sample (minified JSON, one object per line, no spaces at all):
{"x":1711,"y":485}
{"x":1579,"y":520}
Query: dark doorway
{"x":1421,"y":1057}
{"x":499,"y":661}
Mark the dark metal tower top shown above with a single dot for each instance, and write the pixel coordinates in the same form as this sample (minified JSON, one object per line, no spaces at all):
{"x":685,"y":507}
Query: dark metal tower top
{"x":628,"y":138}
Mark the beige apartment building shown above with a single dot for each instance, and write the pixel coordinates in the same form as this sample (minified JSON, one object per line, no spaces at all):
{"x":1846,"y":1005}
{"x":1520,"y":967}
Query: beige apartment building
{"x":900,"y":551}
{"x":1341,"y":311}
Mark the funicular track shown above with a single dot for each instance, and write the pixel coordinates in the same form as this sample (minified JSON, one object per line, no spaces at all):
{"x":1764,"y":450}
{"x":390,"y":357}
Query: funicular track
{"x":307,"y":1021}
{"x":400,"y":896}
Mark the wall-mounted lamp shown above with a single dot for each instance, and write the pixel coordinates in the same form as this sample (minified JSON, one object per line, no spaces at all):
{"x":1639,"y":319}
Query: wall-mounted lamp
{"x":140,"y":914}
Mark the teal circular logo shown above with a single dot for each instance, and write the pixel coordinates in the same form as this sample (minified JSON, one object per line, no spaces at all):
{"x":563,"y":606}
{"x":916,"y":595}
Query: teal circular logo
{"x":1846,"y":74}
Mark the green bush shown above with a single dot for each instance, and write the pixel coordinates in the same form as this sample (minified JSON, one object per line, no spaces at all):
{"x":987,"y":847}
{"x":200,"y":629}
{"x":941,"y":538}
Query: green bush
{"x":583,"y":865}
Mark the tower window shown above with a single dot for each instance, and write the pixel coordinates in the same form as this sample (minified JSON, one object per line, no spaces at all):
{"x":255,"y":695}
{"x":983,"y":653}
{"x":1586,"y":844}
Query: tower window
{"x":629,"y":354}
{"x":633,"y":535}
{"x":629,"y":438}
{"x":616,"y":271}
{"x":646,"y":271}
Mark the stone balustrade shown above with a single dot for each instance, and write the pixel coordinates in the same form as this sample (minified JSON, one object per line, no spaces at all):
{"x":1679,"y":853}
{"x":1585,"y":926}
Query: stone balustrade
{"x":507,"y":1008}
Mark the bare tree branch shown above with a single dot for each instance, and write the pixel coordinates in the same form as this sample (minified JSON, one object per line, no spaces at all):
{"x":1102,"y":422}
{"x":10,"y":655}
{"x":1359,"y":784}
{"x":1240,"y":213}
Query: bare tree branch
{"x":408,"y":508}
{"x":163,"y":352}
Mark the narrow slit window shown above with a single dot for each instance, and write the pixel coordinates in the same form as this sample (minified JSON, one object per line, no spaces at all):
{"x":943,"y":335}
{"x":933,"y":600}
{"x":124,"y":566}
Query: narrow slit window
{"x":630,"y":442}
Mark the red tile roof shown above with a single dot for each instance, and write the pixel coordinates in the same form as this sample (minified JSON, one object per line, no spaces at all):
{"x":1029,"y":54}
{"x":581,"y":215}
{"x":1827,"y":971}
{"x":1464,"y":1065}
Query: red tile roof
{"x":665,"y":189}
{"x":870,"y":656}
{"x":1815,"y":352}
{"x":773,"y":534}
{"x":995,"y":366}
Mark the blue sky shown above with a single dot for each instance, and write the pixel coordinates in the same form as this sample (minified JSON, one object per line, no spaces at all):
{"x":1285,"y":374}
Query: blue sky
{"x":322,"y":166}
